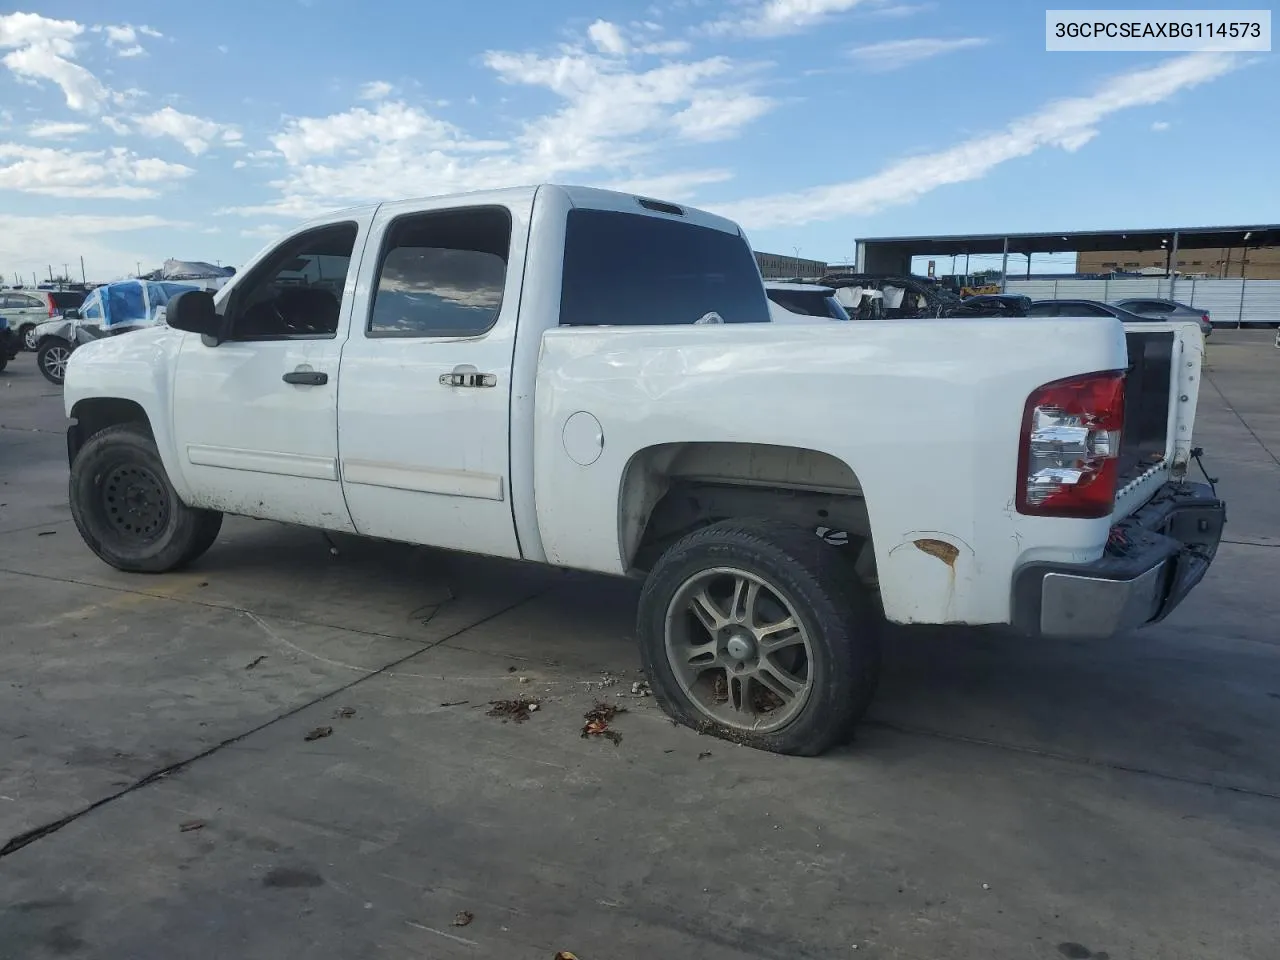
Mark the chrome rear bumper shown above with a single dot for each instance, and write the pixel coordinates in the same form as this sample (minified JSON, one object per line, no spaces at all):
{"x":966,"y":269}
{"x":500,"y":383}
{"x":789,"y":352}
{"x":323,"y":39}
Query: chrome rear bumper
{"x":1153,"y":561}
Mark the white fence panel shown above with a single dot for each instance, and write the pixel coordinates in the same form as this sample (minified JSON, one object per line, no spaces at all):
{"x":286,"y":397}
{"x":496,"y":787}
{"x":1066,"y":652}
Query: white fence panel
{"x":1035,"y":289}
{"x":1261,"y":301}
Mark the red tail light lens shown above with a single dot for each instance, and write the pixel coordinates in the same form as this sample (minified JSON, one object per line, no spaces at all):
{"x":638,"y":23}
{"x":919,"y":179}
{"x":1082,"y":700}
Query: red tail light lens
{"x":1067,"y":465}
{"x":53,"y":308}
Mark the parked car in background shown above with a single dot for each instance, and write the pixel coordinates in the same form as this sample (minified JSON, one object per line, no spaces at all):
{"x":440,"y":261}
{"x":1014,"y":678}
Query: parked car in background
{"x":25,"y":309}
{"x":108,"y":310}
{"x":802,"y":303}
{"x":1158,"y":309}
{"x":1087,"y":308}
{"x":10,"y":345}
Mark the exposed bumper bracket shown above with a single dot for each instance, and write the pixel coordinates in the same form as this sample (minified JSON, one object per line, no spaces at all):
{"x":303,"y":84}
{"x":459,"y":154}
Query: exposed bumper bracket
{"x":1153,"y":560}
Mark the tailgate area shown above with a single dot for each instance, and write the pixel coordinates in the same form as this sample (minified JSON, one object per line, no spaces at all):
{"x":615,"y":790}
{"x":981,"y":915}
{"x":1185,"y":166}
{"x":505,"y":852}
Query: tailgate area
{"x":1147,"y":395}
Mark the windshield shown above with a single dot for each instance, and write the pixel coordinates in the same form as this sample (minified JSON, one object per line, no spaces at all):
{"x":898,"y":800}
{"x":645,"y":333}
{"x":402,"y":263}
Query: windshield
{"x":66,"y":299}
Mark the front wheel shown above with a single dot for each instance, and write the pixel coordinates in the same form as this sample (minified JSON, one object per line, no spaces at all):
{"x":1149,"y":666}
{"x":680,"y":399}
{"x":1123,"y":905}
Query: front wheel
{"x":759,"y":632}
{"x":127,"y":511}
{"x":52,"y":357}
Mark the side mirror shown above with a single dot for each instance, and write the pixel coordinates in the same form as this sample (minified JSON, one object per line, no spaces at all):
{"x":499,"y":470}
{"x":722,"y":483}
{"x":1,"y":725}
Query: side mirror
{"x":193,"y":311}
{"x":70,"y":314}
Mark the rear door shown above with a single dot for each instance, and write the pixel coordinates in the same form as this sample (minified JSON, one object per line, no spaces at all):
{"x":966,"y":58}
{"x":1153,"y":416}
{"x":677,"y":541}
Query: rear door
{"x":424,"y":409}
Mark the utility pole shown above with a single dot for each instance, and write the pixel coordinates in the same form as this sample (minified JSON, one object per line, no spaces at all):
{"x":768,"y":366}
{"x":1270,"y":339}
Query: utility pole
{"x":82,"y":276}
{"x":50,"y":272}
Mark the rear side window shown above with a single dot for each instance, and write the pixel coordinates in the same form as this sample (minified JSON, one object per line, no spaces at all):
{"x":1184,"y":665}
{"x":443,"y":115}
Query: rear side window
{"x":1043,"y":310}
{"x":626,"y":269}
{"x":442,"y":274}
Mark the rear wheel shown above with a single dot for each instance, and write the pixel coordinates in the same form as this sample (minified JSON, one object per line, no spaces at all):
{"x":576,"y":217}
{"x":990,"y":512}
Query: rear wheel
{"x":127,"y":511}
{"x":28,"y":334}
{"x":52,"y":357}
{"x":758,"y":632}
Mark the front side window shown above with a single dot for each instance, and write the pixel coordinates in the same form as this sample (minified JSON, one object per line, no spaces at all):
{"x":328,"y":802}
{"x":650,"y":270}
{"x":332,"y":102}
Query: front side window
{"x":628,"y":269}
{"x":442,"y":274}
{"x":296,"y":292}
{"x":1043,"y":310}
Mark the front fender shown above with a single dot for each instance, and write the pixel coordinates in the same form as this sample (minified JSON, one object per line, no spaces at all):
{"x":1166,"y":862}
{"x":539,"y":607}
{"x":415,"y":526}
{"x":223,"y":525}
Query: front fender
{"x":138,"y":368}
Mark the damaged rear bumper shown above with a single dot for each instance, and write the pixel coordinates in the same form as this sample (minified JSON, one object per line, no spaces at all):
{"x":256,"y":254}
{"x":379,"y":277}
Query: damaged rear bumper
{"x":1153,"y":560}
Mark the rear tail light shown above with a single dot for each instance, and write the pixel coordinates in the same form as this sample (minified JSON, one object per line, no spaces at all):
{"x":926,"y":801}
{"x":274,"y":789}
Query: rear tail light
{"x":53,"y":308}
{"x":1067,"y":465}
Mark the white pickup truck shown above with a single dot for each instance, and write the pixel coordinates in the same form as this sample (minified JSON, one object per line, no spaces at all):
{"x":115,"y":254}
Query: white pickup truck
{"x":588,"y":379}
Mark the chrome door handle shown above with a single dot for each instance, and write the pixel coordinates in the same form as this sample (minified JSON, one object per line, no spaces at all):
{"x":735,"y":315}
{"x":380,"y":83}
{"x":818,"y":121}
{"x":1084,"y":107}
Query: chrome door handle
{"x":468,"y":379}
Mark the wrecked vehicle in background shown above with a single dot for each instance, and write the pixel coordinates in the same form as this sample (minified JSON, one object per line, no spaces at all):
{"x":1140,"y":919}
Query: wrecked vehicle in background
{"x":901,"y":297}
{"x":111,"y":309}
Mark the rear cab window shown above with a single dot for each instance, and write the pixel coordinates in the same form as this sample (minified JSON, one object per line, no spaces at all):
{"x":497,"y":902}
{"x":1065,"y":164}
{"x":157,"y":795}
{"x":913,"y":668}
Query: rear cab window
{"x":629,"y":269}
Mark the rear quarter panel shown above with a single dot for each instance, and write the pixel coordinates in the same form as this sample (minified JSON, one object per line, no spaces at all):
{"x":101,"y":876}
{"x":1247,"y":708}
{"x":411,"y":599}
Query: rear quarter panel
{"x":926,"y":413}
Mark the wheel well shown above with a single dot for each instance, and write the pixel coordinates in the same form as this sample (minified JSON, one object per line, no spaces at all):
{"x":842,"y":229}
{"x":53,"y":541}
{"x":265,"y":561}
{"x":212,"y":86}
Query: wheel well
{"x":672,"y":489}
{"x":97,"y":414}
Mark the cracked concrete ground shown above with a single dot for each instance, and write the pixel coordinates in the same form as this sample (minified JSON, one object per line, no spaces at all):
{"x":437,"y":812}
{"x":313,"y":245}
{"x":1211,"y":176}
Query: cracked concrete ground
{"x":1007,"y":799}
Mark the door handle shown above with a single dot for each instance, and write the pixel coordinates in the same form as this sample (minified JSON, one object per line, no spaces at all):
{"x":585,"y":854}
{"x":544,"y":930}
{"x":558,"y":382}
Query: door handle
{"x":306,"y":378}
{"x":468,"y":378}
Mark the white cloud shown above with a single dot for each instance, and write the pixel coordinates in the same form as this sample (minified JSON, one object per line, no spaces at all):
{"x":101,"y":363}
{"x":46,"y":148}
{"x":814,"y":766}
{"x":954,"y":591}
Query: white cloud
{"x":608,"y":38}
{"x":116,"y":125}
{"x":31,"y":243}
{"x":98,"y":174}
{"x":307,"y":138}
{"x":617,"y":121}
{"x":775,"y":18}
{"x":375,"y":90}
{"x":900,"y":10}
{"x":1068,"y":124}
{"x":1160,"y":126}
{"x":194,"y":133}
{"x":57,"y":131}
{"x":123,"y":38}
{"x":42,"y":49}
{"x":670,"y":186}
{"x":895,"y":54}
{"x":613,"y":113}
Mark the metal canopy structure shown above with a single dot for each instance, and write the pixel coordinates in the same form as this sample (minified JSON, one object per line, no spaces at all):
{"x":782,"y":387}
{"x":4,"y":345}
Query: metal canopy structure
{"x":893,"y":254}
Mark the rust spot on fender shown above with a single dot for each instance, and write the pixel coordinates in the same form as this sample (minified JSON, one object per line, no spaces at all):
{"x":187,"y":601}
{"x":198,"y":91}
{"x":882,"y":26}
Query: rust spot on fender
{"x":940,"y":549}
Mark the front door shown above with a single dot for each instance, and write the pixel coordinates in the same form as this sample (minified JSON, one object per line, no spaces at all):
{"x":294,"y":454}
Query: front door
{"x":256,"y":417}
{"x":426,"y":377}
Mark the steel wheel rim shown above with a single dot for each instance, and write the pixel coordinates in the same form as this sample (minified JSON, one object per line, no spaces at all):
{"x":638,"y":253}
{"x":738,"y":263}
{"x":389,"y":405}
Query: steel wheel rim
{"x":738,"y":649}
{"x":55,"y":361}
{"x":29,"y":339}
{"x":135,"y":502}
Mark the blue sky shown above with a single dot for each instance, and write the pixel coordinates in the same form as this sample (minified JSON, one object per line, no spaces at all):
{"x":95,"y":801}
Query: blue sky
{"x":163,"y":130}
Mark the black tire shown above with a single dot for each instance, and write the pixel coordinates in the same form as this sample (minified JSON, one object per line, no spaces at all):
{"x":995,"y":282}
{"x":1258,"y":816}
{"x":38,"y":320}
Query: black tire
{"x":841,"y":657}
{"x":48,"y":361}
{"x":4,"y":361}
{"x":126,"y":509}
{"x":24,"y":332}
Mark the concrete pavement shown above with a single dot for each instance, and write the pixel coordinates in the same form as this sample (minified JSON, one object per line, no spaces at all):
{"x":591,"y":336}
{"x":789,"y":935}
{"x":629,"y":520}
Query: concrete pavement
{"x":1007,"y":799}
